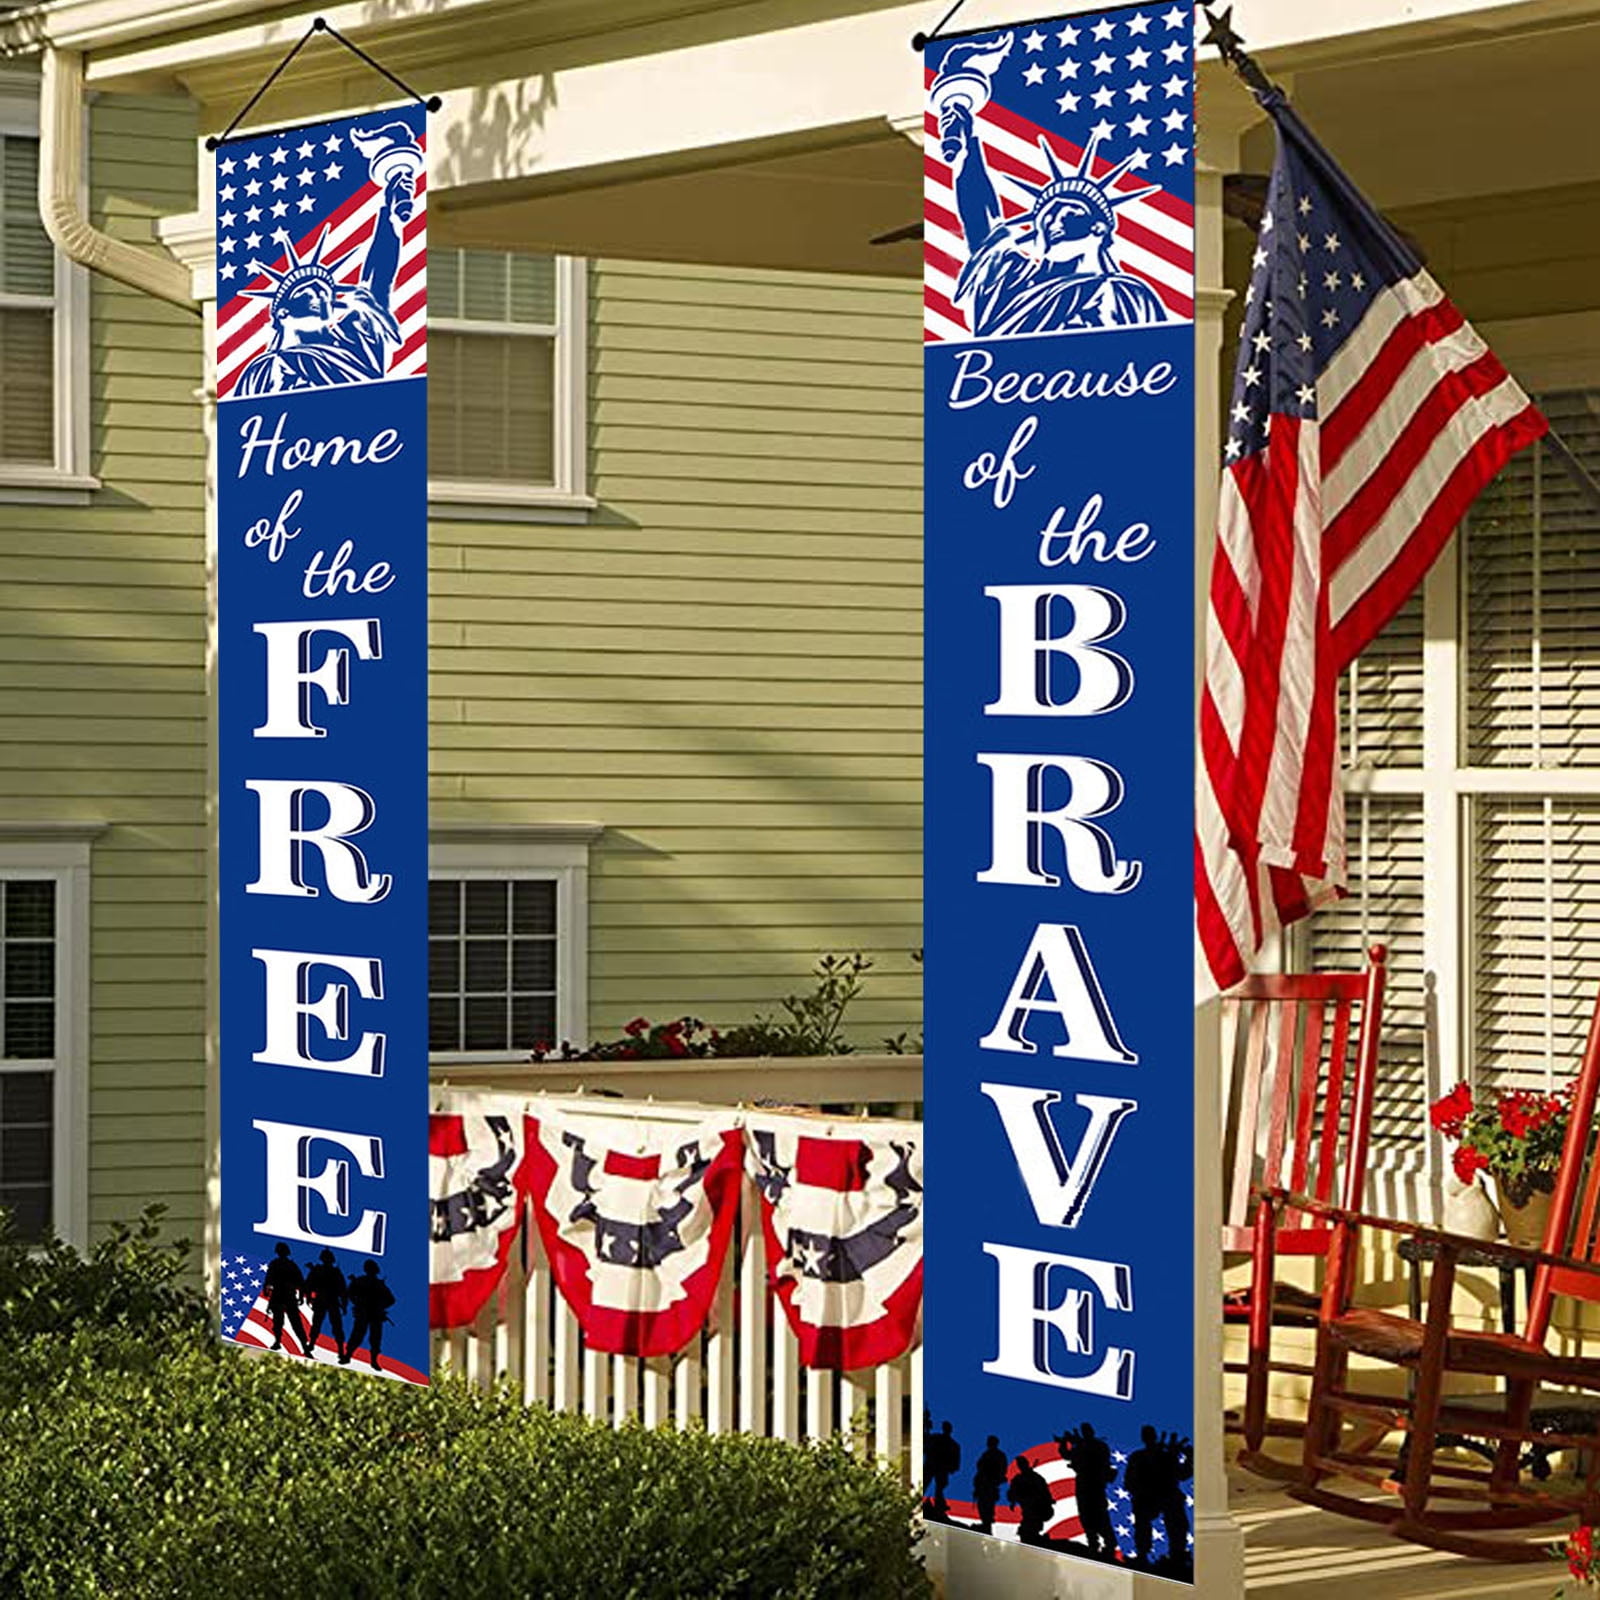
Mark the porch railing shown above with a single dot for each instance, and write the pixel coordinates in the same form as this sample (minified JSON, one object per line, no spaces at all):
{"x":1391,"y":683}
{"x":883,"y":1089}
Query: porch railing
{"x":742,"y":1372}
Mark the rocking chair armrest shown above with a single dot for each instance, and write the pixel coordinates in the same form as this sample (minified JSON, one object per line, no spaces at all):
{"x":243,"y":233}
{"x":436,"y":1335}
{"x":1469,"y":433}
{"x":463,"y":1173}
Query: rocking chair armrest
{"x":1498,"y":1252}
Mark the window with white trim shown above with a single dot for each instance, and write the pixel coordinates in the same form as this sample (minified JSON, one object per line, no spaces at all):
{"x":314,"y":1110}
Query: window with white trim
{"x":1472,"y":745}
{"x":43,"y":321}
{"x":506,"y":370}
{"x":507,"y":944}
{"x":44,"y":910}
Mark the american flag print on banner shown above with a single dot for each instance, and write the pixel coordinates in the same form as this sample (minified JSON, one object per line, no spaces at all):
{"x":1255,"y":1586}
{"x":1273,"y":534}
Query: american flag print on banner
{"x":996,"y":157}
{"x":842,"y":1222}
{"x":478,"y":1186}
{"x":636,"y":1238}
{"x":329,"y":215}
{"x":247,"y":1319}
{"x":1366,"y":416}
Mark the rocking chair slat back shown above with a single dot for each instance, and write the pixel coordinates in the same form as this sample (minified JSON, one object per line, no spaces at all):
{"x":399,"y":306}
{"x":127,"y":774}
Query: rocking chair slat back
{"x":1574,"y":1225}
{"x":1300,"y":1110}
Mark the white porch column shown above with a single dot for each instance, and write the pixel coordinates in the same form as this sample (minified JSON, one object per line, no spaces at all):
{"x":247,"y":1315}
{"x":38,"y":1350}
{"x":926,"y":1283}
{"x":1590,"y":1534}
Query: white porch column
{"x":1218,"y":1538}
{"x":192,"y":239}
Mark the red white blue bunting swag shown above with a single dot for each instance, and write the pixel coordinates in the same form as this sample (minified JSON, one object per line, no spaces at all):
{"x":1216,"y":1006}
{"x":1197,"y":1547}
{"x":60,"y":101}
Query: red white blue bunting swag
{"x":637,"y":1230}
{"x":842,"y":1220}
{"x":478,"y":1188}
{"x":635,"y":1239}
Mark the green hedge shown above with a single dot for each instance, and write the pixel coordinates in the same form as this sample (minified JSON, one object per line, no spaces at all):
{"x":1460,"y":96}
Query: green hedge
{"x":135,"y":1462}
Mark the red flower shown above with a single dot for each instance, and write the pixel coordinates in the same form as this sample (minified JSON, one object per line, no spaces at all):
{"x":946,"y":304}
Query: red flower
{"x":675,"y":1044}
{"x":1580,"y":1552}
{"x":1450,"y":1113}
{"x":1468,"y":1163}
{"x":1516,"y":1115}
{"x":636,"y":1027}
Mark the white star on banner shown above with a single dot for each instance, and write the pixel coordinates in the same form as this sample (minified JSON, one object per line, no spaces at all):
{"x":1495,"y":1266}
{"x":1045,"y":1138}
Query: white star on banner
{"x":332,"y":171}
{"x":1034,"y":74}
{"x":1173,"y":121}
{"x":1068,"y":102}
{"x":279,"y":156}
{"x":1067,"y":69}
{"x":332,"y":142}
{"x":1139,"y":127}
{"x":1174,"y":153}
{"x":1137,"y":59}
{"x":1068,"y":35}
{"x":1138,"y":92}
{"x":304,"y":150}
{"x":225,"y":167}
{"x":252,"y":161}
{"x":1175,"y":18}
{"x":1034,"y":41}
{"x":1175,"y":52}
{"x":1103,"y":30}
{"x":1175,"y":85}
{"x":1102,"y":98}
{"x":1102,"y":63}
{"x":1139,"y":24}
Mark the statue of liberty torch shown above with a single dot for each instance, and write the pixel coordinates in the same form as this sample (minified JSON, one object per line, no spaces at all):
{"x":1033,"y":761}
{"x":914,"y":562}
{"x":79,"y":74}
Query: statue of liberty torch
{"x":325,"y":332}
{"x":1049,"y":269}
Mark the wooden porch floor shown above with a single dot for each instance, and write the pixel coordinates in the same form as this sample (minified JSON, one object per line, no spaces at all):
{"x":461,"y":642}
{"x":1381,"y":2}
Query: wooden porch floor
{"x":1294,"y":1552}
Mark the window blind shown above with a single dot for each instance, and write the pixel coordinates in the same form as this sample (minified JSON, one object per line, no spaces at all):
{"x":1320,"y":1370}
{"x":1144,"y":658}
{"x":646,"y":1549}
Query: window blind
{"x":1384,"y":839}
{"x":1536,"y":938}
{"x":1380,"y":696}
{"x":491,"y":367}
{"x":27,"y":310}
{"x":1533,"y":605}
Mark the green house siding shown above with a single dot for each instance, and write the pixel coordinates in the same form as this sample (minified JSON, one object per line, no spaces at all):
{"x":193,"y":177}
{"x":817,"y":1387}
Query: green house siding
{"x":723,"y":665}
{"x":102,"y":688}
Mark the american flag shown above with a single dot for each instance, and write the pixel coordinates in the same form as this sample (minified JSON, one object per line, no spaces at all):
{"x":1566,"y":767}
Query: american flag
{"x":285,"y":189}
{"x":1129,"y":75}
{"x":1366,"y":417}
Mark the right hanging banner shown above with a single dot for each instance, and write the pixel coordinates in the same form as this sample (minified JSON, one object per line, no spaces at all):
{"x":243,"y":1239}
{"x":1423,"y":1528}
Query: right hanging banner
{"x":1059,"y":780}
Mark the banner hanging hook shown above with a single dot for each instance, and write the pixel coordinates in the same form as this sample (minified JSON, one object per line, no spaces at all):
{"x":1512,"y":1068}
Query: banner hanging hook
{"x":322,"y":25}
{"x":919,"y":41}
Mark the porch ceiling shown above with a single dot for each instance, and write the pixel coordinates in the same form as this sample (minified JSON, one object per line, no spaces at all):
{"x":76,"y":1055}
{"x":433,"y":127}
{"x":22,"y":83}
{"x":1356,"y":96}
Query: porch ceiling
{"x":816,"y":209}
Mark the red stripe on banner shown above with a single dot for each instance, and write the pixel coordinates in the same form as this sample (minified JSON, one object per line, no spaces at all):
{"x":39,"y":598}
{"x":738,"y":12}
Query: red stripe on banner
{"x":626,"y":1166}
{"x":1414,"y":334}
{"x":937,"y":302}
{"x":447,"y":1135}
{"x":1362,"y":623}
{"x":404,"y":312}
{"x":839,"y":1164}
{"x":940,"y":217}
{"x":940,"y":262}
{"x":413,"y":344}
{"x":1437,"y":415}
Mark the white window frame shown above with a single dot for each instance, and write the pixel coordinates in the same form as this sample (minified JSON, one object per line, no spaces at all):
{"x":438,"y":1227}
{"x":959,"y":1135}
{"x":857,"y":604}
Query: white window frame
{"x":1545,"y":354}
{"x":68,"y":477}
{"x":61,"y":852}
{"x":555,"y":852}
{"x":567,"y":497}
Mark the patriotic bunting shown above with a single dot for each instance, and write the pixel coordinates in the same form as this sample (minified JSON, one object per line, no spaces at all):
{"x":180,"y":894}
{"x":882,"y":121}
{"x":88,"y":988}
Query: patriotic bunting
{"x":842,"y":1218}
{"x":479,"y":1185}
{"x":636,"y":1239}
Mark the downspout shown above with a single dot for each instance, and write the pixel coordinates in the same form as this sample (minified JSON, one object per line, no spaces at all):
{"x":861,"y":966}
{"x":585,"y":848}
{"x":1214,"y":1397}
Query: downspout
{"x":60,"y":184}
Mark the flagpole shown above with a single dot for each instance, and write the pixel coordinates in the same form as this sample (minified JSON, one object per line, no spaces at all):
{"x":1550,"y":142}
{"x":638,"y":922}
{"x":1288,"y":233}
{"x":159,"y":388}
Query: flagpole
{"x":1231,"y":48}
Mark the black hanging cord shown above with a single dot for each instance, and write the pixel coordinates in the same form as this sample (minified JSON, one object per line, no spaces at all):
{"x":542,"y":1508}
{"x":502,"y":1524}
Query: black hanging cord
{"x":322,"y":25}
{"x":920,"y":41}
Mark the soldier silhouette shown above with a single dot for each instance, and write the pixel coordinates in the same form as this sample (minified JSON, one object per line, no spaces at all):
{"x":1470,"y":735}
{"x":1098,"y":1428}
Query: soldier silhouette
{"x":284,"y":1286}
{"x":1092,"y":1474}
{"x":370,"y":1300}
{"x":325,"y":1288}
{"x":1030,"y":1494}
{"x":1154,"y":1479}
{"x":987,"y":1478}
{"x":942,"y":1453}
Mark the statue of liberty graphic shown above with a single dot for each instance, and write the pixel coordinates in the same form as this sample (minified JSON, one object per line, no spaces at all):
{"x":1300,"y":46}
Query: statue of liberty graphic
{"x":325,"y":332}
{"x":1050,"y":269}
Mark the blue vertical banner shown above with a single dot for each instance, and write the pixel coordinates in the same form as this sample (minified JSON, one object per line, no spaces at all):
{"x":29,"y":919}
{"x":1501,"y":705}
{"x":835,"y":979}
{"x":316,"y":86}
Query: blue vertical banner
{"x":1059,"y":737}
{"x":323,"y":740}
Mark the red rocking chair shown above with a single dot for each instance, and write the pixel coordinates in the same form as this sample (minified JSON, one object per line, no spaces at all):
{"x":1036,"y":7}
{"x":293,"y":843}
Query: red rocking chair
{"x":1434,"y":1500}
{"x":1298,"y":1119}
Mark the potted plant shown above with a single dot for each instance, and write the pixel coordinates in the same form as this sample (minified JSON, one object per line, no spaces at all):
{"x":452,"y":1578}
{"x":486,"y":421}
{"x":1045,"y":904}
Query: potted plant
{"x":1515,"y":1137}
{"x":1581,"y":1557}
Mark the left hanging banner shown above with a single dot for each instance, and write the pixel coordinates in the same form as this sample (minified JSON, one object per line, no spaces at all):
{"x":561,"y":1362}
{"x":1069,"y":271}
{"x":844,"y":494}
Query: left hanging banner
{"x":322,"y":615}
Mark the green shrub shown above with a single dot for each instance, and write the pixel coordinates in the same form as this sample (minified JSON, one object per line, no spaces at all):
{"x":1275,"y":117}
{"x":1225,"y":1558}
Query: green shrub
{"x":132,"y":1470}
{"x":128,"y":1279}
